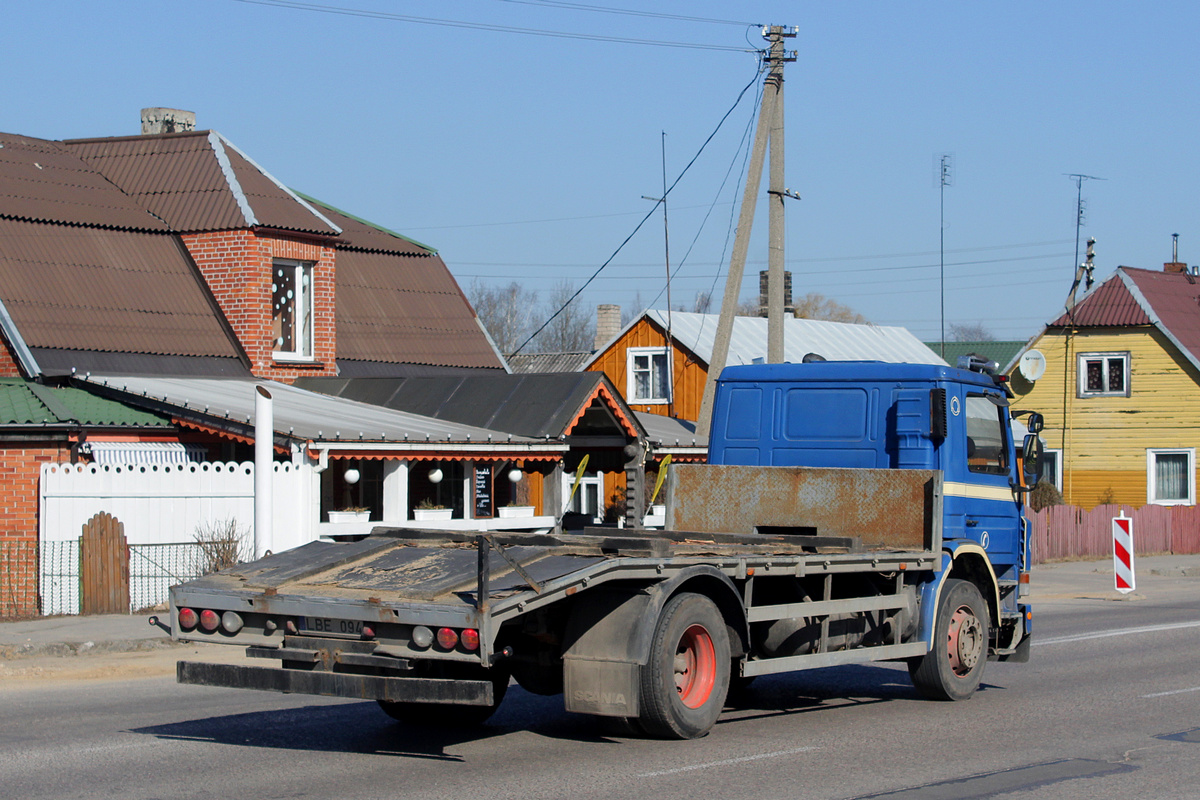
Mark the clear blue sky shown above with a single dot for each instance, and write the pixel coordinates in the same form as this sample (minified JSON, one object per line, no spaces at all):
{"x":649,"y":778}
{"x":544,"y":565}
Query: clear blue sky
{"x":526,"y":156}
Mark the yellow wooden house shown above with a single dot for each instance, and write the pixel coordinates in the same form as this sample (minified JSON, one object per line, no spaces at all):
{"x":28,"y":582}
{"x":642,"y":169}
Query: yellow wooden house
{"x":1118,"y":381}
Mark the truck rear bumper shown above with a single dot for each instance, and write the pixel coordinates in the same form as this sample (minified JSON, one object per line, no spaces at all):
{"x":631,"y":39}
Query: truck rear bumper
{"x":337,"y":684}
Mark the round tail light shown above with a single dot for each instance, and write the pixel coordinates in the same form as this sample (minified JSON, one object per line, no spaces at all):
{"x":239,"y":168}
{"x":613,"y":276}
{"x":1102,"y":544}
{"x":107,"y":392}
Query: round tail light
{"x":231,"y":621}
{"x":447,"y":638}
{"x":470,"y":639}
{"x":209,"y":619}
{"x":188,"y":618}
{"x":422,"y":637}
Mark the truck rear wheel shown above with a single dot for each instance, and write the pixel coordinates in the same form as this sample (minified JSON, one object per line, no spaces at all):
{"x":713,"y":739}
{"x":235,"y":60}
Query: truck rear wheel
{"x":953,"y":667}
{"x":683,"y":685}
{"x":450,"y":715}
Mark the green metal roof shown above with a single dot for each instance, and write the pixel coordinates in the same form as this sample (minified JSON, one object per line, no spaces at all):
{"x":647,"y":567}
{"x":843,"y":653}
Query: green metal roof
{"x":27,"y":403}
{"x":1000,"y":352}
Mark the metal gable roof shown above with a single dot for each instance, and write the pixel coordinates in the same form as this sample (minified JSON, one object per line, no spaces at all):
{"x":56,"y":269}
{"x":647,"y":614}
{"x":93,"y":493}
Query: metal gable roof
{"x":835,"y":341}
{"x":302,"y":414}
{"x":544,"y":405}
{"x":1108,"y":304}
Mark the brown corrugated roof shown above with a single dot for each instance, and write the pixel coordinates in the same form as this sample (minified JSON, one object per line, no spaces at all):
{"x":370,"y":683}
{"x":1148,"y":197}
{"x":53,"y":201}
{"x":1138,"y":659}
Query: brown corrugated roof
{"x":94,"y":289}
{"x":358,"y":234}
{"x":180,"y":178}
{"x":1175,"y":301}
{"x":405,"y":309}
{"x":1134,"y":297}
{"x":44,"y":181}
{"x":1108,"y":304}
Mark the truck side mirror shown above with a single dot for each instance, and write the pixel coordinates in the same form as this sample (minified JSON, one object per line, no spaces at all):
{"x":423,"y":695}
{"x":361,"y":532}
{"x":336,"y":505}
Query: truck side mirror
{"x":1031,"y":460}
{"x":1035,"y":423}
{"x":938,"y":425}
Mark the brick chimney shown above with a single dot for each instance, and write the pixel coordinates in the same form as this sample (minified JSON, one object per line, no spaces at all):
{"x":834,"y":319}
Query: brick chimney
{"x":1175,"y":265}
{"x":167,"y":120}
{"x":788,"y":307}
{"x":608,"y":324}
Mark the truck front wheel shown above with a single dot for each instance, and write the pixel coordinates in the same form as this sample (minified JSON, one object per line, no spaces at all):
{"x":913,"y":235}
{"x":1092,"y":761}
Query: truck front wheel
{"x":953,"y":667}
{"x":683,"y":685}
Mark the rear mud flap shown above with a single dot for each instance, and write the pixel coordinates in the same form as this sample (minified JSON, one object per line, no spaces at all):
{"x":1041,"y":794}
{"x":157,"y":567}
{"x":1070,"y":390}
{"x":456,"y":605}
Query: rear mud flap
{"x":603,"y":688}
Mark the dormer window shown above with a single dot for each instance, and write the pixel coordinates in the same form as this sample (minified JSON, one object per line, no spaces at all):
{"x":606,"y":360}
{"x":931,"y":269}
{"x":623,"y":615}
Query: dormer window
{"x":292,"y":309}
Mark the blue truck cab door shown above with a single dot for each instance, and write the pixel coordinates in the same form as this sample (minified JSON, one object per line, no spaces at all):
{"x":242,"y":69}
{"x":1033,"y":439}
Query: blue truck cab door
{"x":977,"y":462}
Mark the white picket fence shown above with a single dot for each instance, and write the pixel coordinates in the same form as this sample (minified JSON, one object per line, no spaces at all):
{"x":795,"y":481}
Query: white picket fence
{"x":164,"y":505}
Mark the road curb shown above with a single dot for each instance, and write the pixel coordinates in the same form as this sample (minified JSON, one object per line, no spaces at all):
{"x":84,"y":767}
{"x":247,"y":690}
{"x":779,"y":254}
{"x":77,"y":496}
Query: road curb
{"x":12,"y":652}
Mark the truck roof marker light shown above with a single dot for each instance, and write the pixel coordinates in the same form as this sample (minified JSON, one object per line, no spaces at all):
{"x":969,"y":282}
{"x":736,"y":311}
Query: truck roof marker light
{"x":447,"y":638}
{"x":209,"y":620}
{"x":231,"y":621}
{"x":188,"y":618}
{"x":422,"y":637}
{"x":470,"y":639}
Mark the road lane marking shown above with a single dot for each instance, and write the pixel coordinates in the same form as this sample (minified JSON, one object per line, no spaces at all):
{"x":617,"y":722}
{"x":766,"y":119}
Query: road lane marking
{"x":1080,"y":637}
{"x":727,"y":762}
{"x":1175,"y":691}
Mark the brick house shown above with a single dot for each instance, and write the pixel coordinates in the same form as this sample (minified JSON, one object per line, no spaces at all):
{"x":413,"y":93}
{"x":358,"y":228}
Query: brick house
{"x":175,"y":254}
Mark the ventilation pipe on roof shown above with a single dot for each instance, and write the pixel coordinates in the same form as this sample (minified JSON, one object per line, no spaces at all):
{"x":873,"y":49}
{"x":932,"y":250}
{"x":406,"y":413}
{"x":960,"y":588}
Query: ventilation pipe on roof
{"x":1175,"y":265}
{"x":264,"y":469}
{"x":167,"y":120}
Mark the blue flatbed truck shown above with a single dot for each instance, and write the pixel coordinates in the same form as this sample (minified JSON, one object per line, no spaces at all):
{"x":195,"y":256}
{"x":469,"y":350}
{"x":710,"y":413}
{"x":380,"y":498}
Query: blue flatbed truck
{"x":850,"y":512}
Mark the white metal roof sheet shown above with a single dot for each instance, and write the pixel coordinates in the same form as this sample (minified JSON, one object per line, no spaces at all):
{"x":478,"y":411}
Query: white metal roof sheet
{"x":306,"y":415}
{"x":835,"y":341}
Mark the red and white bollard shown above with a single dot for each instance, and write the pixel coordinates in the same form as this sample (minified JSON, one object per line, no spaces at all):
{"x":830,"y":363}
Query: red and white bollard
{"x":1123,"y":553}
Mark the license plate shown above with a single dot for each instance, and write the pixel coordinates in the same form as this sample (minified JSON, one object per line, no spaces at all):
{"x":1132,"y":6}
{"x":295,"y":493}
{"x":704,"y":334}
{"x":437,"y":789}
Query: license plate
{"x":347,"y":627}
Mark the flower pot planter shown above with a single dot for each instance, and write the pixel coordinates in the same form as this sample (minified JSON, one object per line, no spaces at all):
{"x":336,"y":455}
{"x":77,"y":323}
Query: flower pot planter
{"x":433,"y":513}
{"x":507,"y":512}
{"x":349,"y":516}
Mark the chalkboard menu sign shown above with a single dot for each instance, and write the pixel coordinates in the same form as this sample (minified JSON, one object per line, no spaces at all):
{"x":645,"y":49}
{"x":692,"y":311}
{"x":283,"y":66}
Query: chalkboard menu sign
{"x":483,"y":491}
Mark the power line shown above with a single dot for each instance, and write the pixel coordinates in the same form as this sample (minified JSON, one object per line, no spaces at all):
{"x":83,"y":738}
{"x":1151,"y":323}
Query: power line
{"x":630,"y":12}
{"x":483,"y":26}
{"x":667,"y":193}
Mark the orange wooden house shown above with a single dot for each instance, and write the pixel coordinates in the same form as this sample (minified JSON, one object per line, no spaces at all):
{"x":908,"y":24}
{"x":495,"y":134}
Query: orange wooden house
{"x":660,"y":362}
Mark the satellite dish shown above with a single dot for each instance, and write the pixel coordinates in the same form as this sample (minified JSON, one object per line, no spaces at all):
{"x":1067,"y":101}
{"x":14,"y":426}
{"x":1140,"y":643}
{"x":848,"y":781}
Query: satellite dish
{"x":1032,"y":365}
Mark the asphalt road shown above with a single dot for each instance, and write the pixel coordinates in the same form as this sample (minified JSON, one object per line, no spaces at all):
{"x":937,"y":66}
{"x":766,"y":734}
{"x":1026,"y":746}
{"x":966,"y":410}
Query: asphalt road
{"x":1107,"y":707}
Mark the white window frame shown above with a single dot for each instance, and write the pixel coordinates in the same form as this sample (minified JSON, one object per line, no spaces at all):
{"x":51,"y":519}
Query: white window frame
{"x":592,"y":480}
{"x":631,"y":375}
{"x":1081,"y":374}
{"x":1056,"y":478}
{"x":304,"y":311}
{"x":1152,"y":455}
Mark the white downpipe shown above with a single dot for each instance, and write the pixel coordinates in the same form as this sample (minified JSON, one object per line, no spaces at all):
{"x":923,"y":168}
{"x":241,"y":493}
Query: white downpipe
{"x":264,"y":459}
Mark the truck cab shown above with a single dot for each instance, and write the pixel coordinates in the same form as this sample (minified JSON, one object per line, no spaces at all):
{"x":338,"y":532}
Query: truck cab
{"x":858,"y":414}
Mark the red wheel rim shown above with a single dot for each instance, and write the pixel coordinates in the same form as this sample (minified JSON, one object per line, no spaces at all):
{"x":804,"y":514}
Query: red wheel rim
{"x":695,"y":666}
{"x":964,"y":641}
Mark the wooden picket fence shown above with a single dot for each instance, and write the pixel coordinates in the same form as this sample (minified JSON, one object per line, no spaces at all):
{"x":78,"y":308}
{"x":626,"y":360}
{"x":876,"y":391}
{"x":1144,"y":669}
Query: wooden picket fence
{"x":1062,"y":532}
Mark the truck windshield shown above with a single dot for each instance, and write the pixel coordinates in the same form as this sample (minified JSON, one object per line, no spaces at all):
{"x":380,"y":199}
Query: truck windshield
{"x":986,"y":450}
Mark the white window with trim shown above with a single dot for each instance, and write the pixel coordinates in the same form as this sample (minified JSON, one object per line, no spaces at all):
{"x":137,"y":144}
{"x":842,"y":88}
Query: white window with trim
{"x":649,"y":371}
{"x":588,"y":500}
{"x":292,"y":309}
{"x":1171,"y":477}
{"x":1052,"y":467}
{"x":1103,"y":374}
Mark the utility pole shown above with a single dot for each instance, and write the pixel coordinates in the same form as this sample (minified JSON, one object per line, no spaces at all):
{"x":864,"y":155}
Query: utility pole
{"x":769,"y":129}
